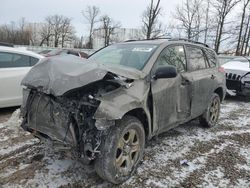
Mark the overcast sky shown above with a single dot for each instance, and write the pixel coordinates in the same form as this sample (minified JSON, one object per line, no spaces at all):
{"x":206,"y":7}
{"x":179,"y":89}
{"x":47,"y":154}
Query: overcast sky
{"x":128,"y":12}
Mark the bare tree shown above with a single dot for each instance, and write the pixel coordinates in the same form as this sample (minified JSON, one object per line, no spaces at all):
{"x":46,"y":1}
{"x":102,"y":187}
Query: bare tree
{"x":57,"y":22}
{"x":247,"y":44}
{"x":207,"y":21}
{"x":240,"y":45}
{"x":90,"y":14}
{"x":67,"y":31}
{"x":58,"y":29}
{"x":222,"y":8}
{"x":108,"y":27}
{"x":247,"y":37}
{"x":15,"y":32}
{"x":46,"y":33}
{"x":190,"y":17}
{"x":152,"y":28}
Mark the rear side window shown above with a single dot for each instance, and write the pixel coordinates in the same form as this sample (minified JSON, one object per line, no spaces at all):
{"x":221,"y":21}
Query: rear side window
{"x":196,"y":58}
{"x":33,"y":61}
{"x":211,"y":57}
{"x":12,"y":60}
{"x":20,"y":61}
{"x":5,"y":59}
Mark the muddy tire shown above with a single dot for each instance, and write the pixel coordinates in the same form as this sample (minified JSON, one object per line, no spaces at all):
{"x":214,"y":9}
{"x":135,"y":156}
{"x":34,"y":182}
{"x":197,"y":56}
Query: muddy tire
{"x":210,"y":117}
{"x":121,"y":151}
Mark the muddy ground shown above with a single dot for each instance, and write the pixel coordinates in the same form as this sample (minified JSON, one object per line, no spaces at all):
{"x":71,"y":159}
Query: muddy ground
{"x":5,"y":113}
{"x":187,"y":156}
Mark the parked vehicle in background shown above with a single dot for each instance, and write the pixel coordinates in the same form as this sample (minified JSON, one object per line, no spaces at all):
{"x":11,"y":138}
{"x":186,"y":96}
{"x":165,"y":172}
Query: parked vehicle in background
{"x":14,"y":65}
{"x":224,"y":59}
{"x":241,"y":58}
{"x":57,"y":52}
{"x":44,"y":52}
{"x":238,"y":76}
{"x":104,"y":108}
{"x":6,"y":44}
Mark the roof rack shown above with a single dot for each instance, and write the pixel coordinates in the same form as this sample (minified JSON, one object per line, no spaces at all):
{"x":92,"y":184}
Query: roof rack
{"x":171,"y":39}
{"x":189,"y":40}
{"x":6,"y":44}
{"x":132,"y":40}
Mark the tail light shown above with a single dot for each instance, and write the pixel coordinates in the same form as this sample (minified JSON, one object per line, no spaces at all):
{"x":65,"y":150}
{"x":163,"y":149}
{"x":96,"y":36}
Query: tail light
{"x":221,"y":69}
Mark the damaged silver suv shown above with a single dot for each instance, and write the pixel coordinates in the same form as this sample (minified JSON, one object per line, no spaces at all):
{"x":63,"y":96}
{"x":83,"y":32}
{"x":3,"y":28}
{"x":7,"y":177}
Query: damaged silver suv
{"x":104,"y":108}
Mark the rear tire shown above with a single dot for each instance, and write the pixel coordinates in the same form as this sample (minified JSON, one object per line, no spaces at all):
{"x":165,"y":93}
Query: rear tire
{"x":121,"y":150}
{"x":210,"y":117}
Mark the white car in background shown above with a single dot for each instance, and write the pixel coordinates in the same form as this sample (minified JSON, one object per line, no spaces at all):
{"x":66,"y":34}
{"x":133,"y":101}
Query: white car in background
{"x":14,"y":65}
{"x":238,"y":76}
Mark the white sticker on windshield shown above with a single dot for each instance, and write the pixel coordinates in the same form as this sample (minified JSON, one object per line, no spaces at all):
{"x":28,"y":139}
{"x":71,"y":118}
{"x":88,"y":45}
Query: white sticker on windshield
{"x":142,"y":49}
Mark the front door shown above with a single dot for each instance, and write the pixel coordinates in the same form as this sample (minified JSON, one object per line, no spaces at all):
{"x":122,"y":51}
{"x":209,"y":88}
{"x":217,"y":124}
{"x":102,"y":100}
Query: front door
{"x":171,"y":101}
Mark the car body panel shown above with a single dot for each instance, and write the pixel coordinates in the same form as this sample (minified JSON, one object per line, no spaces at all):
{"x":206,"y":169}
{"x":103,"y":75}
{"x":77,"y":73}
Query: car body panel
{"x":77,"y":90}
{"x":10,"y":79}
{"x":202,"y":88}
{"x":10,"y":87}
{"x":237,"y":77}
{"x":116,"y":104}
{"x":167,"y":110}
{"x":57,"y":75}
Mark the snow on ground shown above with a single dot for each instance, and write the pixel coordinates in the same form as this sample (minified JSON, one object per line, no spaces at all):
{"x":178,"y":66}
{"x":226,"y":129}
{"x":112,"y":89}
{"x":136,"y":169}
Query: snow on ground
{"x":187,"y":156}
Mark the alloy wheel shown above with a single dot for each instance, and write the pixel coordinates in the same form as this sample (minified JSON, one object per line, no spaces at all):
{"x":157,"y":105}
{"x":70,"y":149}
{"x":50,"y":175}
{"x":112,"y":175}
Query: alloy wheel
{"x":127,"y":152}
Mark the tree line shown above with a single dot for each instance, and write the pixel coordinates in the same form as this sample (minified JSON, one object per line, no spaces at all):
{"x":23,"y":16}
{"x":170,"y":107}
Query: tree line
{"x":222,"y":24}
{"x":55,"y":31}
{"x":217,"y":23}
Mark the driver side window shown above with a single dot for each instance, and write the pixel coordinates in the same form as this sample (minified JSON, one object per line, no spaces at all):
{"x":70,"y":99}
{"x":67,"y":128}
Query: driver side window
{"x":173,"y":56}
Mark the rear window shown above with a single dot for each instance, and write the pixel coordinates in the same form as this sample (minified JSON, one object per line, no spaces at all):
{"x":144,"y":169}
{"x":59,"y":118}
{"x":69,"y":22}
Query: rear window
{"x":196,"y":58}
{"x":11,"y":60}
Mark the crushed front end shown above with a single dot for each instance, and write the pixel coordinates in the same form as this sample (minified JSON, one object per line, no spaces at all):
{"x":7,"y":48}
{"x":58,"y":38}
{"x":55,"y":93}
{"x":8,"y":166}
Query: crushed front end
{"x":68,"y":119}
{"x":64,"y":101}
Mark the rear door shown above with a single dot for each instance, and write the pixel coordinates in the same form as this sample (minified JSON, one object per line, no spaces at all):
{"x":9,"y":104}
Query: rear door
{"x":13,"y":67}
{"x":201,"y":78}
{"x":171,"y":101}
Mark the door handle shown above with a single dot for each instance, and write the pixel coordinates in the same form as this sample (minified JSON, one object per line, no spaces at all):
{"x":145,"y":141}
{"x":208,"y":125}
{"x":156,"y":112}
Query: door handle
{"x":213,"y":77}
{"x":185,"y":82}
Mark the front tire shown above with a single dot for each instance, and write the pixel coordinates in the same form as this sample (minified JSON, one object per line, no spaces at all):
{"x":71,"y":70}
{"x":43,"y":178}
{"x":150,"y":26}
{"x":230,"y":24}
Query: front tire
{"x":121,"y":150}
{"x":210,"y":117}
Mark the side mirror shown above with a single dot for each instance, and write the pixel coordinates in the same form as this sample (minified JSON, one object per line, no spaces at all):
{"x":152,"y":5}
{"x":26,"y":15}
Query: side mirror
{"x":165,"y":72}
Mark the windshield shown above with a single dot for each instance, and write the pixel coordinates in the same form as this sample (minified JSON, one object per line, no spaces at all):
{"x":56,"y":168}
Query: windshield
{"x":129,"y":55}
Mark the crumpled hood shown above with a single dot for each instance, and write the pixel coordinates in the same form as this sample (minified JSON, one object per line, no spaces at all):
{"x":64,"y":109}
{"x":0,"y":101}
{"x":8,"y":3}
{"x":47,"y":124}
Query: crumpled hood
{"x":57,"y":75}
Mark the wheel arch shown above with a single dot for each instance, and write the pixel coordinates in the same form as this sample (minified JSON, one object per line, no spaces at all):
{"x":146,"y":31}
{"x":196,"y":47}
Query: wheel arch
{"x":220,"y":92}
{"x":141,"y":115}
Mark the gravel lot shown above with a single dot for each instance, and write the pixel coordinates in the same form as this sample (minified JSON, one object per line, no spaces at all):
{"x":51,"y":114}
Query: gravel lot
{"x":187,"y":156}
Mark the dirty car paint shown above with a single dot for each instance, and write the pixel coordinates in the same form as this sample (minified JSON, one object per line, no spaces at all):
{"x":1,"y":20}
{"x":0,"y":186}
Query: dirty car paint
{"x":76,"y":101}
{"x":57,"y":75}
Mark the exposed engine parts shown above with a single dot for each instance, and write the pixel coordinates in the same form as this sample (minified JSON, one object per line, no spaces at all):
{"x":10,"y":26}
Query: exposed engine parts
{"x":70,"y":117}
